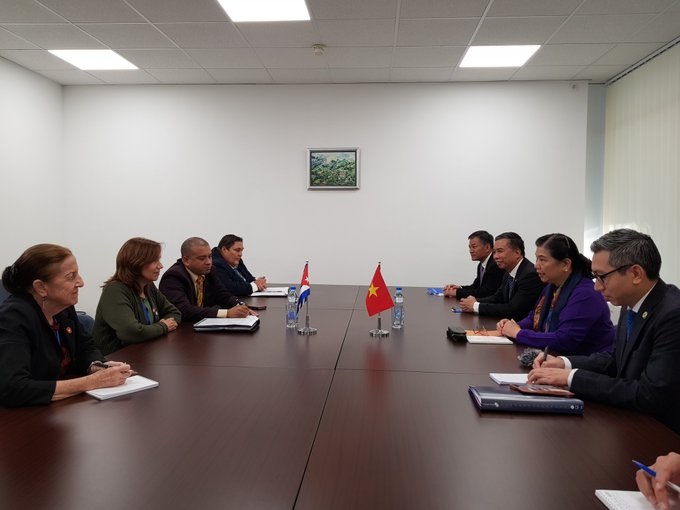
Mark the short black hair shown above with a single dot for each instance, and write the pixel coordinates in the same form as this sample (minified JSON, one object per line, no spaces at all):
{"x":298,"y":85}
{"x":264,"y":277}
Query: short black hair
{"x":483,"y":236}
{"x":627,"y":247}
{"x":515,"y":242}
{"x":229,"y":240}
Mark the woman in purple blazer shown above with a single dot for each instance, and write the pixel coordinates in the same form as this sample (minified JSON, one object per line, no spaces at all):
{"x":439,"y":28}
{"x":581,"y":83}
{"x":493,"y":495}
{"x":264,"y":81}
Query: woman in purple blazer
{"x":570,"y":317}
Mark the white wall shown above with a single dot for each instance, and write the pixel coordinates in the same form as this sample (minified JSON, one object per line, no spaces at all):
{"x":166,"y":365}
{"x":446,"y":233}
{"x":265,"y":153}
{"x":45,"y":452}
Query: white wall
{"x":438,"y":161}
{"x":31,"y":185}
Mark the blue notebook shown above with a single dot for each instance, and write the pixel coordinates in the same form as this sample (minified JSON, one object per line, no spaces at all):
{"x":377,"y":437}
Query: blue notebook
{"x":502,"y":398}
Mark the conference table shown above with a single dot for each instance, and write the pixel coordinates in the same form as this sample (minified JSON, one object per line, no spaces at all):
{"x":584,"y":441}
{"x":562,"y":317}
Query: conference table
{"x":338,"y":420}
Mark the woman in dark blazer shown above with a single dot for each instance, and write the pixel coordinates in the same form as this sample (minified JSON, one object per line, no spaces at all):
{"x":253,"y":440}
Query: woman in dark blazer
{"x":45,"y":354}
{"x":570,"y":316}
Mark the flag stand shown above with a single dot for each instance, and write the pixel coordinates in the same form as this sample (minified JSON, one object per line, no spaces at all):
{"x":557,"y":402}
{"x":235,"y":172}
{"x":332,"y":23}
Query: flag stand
{"x":307,"y":330}
{"x":380,"y":331}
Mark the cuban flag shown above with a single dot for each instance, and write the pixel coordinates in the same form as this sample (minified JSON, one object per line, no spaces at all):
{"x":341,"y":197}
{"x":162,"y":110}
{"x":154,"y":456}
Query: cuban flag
{"x":304,"y":287}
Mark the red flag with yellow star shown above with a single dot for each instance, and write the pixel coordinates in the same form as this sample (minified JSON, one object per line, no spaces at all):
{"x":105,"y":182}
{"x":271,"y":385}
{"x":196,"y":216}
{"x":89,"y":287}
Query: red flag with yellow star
{"x":378,"y":297}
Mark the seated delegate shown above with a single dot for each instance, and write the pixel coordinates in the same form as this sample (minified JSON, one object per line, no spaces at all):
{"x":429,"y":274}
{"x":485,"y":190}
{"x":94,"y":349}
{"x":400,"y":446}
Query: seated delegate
{"x":45,"y":354}
{"x":230,"y":269}
{"x":570,"y":316}
{"x":489,"y":275}
{"x":131,"y":309}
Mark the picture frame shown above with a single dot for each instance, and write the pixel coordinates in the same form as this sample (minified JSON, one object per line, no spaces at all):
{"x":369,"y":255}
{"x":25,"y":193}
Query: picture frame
{"x":334,"y":168}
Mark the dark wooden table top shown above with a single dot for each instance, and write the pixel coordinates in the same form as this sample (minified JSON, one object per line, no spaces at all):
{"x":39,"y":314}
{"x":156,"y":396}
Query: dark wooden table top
{"x":337,"y":420}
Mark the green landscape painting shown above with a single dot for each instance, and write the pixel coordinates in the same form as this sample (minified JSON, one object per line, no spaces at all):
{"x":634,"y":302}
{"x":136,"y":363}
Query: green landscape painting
{"x":333,"y":169}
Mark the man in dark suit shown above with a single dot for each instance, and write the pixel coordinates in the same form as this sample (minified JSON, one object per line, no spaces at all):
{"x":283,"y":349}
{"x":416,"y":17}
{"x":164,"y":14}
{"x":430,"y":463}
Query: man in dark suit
{"x":230,"y":269}
{"x":520,"y":287}
{"x":190,"y":285}
{"x":489,"y":275}
{"x":643,"y":372}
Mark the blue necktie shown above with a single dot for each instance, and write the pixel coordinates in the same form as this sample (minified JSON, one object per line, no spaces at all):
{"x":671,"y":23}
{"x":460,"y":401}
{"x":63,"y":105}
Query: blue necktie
{"x":511,"y":281}
{"x":630,"y":318}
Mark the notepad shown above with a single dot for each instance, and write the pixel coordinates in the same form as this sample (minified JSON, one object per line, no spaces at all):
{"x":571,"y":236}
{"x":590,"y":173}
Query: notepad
{"x":520,"y":378}
{"x":628,"y":500}
{"x":488,"y":339}
{"x":131,"y":385}
{"x":249,"y":323}
{"x":271,"y":292}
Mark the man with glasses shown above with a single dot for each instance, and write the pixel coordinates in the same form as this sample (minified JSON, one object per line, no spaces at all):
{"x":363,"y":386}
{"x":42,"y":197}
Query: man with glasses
{"x":489,"y":275}
{"x":643,"y":372}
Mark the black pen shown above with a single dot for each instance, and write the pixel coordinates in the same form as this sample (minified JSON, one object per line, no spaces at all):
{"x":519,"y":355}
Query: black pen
{"x":545,"y":355}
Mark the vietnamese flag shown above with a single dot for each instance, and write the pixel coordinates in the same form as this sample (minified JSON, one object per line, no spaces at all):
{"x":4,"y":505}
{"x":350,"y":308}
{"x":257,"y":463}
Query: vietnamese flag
{"x":378,"y":297}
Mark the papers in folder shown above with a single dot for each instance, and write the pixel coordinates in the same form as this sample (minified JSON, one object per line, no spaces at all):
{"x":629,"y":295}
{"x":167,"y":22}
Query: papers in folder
{"x":271,"y":292}
{"x":249,"y":323}
{"x":131,"y":385}
{"x":520,"y":378}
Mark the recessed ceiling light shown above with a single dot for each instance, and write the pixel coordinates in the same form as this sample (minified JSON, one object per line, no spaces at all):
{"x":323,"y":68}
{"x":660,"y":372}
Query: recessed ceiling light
{"x":265,"y":10}
{"x":91,"y":60}
{"x":498,"y":56}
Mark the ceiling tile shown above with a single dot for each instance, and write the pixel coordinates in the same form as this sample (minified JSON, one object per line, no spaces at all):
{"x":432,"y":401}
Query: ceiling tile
{"x":534,"y":30}
{"x":428,"y":56}
{"x":599,"y":74}
{"x":302,"y":58}
{"x":159,"y":59}
{"x":357,"y":32}
{"x":71,"y":77}
{"x":159,"y":11}
{"x":533,"y":7}
{"x":663,"y":28}
{"x":601,"y":28}
{"x":127,"y":77}
{"x":623,"y":6}
{"x":55,"y":37}
{"x":364,"y":56}
{"x":436,"y":32}
{"x":546,"y":72}
{"x":243,"y":58}
{"x":240,"y":75}
{"x":35,"y":59}
{"x":128,"y":35}
{"x":182,"y":75}
{"x":352,"y":9}
{"x":623,"y":54}
{"x":568,"y":54}
{"x":23,"y":11}
{"x":300,"y":75}
{"x":9,"y":41}
{"x":93,"y":11}
{"x":349,"y":75}
{"x":442,"y":8}
{"x":292,"y":34}
{"x":203,"y":35}
{"x":478,"y":74}
{"x":420,"y":74}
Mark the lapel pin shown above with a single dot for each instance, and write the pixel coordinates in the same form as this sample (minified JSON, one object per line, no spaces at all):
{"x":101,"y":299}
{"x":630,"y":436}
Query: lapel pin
{"x":644,"y":315}
{"x":69,"y":330}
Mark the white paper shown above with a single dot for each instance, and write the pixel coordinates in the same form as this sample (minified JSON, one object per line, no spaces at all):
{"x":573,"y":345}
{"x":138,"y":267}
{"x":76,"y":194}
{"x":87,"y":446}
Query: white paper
{"x":226,"y":322}
{"x":488,"y":340}
{"x":271,"y":292}
{"x":131,"y":385}
{"x":629,"y":500}
{"x":520,"y":378}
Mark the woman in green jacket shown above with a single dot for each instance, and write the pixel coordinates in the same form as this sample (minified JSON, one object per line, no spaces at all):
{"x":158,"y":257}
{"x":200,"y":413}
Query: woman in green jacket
{"x":131,"y":309}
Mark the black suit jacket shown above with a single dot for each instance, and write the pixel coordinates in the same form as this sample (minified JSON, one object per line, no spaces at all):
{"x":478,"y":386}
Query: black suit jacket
{"x":178,"y":286}
{"x":491,"y":281}
{"x":643,"y":372}
{"x":525,"y":291}
{"x":30,"y":357}
{"x":228,"y":276}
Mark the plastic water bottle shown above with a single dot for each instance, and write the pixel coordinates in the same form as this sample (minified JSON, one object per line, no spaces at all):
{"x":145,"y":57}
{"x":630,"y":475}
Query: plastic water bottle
{"x":291,"y":308}
{"x":398,"y":310}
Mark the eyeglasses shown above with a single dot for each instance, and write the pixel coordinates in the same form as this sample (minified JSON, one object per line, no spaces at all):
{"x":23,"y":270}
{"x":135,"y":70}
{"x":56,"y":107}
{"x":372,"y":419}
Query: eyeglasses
{"x":602,"y":277}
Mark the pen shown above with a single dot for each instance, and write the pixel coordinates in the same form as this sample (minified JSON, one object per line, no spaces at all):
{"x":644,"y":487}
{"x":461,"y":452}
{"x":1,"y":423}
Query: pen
{"x":652,"y":473}
{"x":545,"y":355}
{"x":100,"y":364}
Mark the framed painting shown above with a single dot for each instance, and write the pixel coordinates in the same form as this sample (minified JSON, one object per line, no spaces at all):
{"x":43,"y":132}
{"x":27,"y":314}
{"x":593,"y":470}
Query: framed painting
{"x":333,"y":168}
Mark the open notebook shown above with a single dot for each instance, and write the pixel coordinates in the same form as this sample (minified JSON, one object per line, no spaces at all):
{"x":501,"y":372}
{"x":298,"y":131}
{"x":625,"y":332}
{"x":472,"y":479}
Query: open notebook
{"x":629,"y":500}
{"x":131,"y":385}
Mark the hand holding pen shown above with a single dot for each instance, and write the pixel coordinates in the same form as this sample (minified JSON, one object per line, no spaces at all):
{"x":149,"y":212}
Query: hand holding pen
{"x":654,"y":481}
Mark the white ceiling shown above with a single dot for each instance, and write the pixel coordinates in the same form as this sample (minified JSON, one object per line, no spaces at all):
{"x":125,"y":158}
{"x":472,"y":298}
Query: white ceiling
{"x":193,"y":41}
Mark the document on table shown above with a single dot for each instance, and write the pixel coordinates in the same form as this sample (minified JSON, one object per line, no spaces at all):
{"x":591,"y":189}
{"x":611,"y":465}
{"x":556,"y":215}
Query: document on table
{"x":131,"y":385}
{"x":435,"y":291}
{"x":520,"y":378}
{"x":248,"y":323}
{"x":271,"y":292}
{"x":629,"y":500}
{"x":488,"y":339}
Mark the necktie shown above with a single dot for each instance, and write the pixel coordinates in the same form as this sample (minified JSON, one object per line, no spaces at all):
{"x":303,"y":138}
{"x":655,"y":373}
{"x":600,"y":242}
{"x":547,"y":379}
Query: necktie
{"x":481,"y":273}
{"x":511,"y":282}
{"x":630,"y":318}
{"x":199,"y":290}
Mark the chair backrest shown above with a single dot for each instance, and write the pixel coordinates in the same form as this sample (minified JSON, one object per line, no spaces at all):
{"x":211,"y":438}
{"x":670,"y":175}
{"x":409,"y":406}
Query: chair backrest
{"x":3,"y":293}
